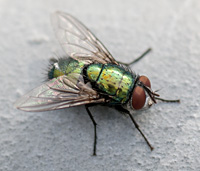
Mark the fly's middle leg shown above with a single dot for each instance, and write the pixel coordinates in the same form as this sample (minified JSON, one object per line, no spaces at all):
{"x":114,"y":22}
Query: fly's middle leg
{"x":95,"y":130}
{"x":137,"y":59}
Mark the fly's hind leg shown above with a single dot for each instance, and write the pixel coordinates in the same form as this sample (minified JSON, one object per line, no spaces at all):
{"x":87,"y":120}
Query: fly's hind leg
{"x":137,"y":59}
{"x":95,"y":130}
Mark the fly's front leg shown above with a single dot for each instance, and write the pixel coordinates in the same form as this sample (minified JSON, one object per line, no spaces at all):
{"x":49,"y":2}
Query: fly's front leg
{"x":137,"y":59}
{"x":167,"y":100}
{"x":137,"y":126}
{"x":95,"y":130}
{"x":120,"y":108}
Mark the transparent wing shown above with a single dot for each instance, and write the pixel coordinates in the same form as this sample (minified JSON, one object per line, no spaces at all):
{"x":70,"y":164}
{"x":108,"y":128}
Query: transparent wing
{"x":78,"y":41}
{"x":58,"y":93}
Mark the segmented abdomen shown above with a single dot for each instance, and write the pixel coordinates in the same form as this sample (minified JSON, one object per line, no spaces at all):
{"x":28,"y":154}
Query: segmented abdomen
{"x":65,"y":66}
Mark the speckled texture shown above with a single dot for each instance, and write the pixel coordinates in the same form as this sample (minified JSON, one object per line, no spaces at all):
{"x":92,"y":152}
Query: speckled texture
{"x":62,"y":140}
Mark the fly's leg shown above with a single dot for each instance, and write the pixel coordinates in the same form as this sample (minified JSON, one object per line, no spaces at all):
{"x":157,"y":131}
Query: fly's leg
{"x":137,"y":59}
{"x":121,"y":109}
{"x":169,"y":101}
{"x":150,"y":102}
{"x":95,"y":130}
{"x":138,"y":128}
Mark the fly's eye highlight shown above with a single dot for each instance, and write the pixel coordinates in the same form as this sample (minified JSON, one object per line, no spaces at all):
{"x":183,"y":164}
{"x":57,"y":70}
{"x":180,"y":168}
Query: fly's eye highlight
{"x":138,"y":98}
{"x":145,"y":81}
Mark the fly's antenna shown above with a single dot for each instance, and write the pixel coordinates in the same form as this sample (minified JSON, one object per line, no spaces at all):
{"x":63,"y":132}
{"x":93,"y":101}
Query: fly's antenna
{"x":149,"y":92}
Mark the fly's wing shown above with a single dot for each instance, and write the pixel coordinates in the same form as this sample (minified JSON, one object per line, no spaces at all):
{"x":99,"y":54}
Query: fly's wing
{"x":78,"y":41}
{"x":59,"y":93}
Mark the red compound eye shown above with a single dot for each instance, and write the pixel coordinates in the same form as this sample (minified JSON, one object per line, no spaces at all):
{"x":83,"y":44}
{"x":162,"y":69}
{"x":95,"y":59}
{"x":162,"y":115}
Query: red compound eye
{"x":145,"y":81}
{"x":138,"y":98}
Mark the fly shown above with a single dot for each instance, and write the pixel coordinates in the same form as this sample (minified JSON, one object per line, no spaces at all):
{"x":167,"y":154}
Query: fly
{"x":89,"y":76}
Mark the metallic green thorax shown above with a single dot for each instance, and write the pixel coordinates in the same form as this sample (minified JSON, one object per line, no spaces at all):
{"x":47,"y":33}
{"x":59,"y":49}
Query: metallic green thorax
{"x":112,"y":79}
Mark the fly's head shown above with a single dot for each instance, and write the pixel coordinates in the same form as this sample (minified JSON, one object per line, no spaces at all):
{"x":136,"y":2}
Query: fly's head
{"x":142,"y":88}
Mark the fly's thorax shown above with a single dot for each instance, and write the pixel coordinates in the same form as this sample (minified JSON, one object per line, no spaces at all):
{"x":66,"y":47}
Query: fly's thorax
{"x":112,"y":80}
{"x":126,"y":87}
{"x":65,"y":66}
{"x":93,"y":72}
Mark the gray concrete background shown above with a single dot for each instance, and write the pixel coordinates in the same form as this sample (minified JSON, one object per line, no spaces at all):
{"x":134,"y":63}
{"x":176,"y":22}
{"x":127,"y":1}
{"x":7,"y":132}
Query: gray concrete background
{"x":62,"y":140}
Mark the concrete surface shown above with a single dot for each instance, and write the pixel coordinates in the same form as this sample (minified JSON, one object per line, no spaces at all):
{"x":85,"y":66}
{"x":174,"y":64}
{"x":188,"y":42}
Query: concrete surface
{"x":62,"y":140}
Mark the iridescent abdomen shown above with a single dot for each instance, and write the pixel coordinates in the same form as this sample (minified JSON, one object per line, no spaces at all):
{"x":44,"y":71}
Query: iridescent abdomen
{"x":65,"y":66}
{"x":112,"y":79}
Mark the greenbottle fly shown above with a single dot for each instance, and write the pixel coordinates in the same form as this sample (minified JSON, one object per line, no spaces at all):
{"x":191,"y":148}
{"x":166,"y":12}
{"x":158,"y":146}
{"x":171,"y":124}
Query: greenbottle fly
{"x":89,"y":76}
